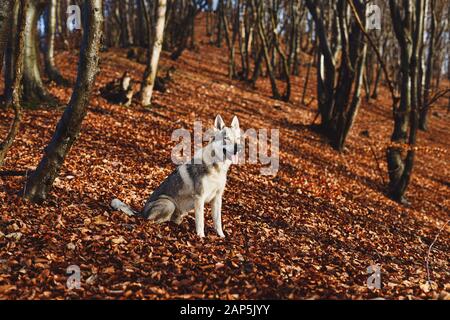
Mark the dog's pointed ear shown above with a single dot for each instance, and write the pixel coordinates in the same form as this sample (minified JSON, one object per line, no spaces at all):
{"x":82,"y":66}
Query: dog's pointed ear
{"x":219,"y":124}
{"x":235,"y":123}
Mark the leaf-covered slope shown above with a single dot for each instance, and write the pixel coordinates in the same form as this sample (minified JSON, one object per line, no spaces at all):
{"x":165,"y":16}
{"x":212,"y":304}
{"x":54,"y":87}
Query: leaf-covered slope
{"x":309,"y":232}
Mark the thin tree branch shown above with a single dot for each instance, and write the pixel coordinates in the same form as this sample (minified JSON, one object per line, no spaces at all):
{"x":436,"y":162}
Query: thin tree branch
{"x":436,"y":97}
{"x":429,"y":251}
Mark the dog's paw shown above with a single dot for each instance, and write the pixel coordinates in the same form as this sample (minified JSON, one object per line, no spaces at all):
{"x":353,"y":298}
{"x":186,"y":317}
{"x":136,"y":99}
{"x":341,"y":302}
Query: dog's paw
{"x":221,"y":234}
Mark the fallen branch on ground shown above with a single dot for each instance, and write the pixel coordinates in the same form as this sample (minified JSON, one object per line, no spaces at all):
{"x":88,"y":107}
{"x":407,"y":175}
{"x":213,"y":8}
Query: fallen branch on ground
{"x":429,"y":252}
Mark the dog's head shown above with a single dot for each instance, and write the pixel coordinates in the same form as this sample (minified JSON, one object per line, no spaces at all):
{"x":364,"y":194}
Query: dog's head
{"x":227,"y":140}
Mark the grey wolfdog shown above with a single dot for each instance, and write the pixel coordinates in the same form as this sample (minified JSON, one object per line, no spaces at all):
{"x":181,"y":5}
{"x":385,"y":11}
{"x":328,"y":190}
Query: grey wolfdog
{"x":200,"y":180}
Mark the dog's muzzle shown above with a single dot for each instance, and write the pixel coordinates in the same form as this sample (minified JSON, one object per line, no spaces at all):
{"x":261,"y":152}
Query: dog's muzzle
{"x":235,"y":157}
{"x":234,"y":154}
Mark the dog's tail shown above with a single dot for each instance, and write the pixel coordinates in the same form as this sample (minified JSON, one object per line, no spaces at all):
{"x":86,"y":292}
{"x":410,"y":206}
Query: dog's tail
{"x":118,"y":205}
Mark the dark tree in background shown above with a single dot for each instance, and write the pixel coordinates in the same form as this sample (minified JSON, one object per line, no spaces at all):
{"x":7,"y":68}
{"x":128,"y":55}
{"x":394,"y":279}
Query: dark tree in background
{"x":435,"y":52}
{"x":9,"y":51}
{"x":339,"y":83}
{"x":6,"y":12}
{"x":408,"y":22}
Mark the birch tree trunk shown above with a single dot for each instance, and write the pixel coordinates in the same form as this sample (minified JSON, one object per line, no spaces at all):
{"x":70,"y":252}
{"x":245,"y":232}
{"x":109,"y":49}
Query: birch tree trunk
{"x":49,"y":54}
{"x":68,"y":128}
{"x":153,"y":57}
{"x":423,"y":122}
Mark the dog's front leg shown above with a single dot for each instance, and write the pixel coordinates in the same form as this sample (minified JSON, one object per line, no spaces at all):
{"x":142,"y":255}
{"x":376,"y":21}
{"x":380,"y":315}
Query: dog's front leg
{"x":217,"y":214}
{"x":199,"y":206}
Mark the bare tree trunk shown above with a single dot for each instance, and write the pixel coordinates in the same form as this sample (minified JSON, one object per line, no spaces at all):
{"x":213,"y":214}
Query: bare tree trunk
{"x":249,"y":39}
{"x":259,"y":11}
{"x":296,"y":59}
{"x":409,"y":33}
{"x":229,"y":41}
{"x":49,"y":54}
{"x":308,"y":73}
{"x":6,"y":13}
{"x":193,"y":43}
{"x":126,"y":35}
{"x":243,"y":38}
{"x":351,"y":73}
{"x":366,"y":84}
{"x":423,"y":122}
{"x":349,"y":117}
{"x":34,"y":90}
{"x":339,"y":86}
{"x":326,"y":68}
{"x":219,"y":26}
{"x":68,"y":128}
{"x":374,"y":94}
{"x":257,"y":68}
{"x":63,"y":5}
{"x":141,"y":23}
{"x":153,"y":57}
{"x":184,"y":30}
{"x":7,"y":143}
{"x":208,"y":20}
{"x":10,"y":53}
{"x":147,"y":22}
{"x":284,"y":59}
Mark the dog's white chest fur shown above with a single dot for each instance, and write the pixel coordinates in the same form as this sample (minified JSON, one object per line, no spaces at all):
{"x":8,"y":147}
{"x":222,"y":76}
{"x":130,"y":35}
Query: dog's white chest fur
{"x":214,"y":184}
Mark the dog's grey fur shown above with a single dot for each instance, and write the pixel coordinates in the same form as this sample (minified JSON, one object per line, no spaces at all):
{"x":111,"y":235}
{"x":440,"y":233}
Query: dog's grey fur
{"x":191,"y":185}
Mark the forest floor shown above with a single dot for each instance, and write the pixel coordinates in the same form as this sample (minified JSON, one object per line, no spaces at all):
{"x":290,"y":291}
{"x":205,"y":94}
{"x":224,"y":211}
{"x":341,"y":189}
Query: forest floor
{"x":311,"y":231}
